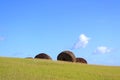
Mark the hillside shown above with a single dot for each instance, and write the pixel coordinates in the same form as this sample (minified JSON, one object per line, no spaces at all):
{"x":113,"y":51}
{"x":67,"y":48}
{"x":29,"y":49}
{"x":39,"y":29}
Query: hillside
{"x":37,"y":69}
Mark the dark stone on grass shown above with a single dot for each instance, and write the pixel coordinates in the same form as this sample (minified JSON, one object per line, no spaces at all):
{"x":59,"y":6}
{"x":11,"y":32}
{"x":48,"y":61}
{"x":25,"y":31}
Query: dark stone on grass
{"x":43,"y":56}
{"x":81,"y":60}
{"x":28,"y":58}
{"x":66,"y":56}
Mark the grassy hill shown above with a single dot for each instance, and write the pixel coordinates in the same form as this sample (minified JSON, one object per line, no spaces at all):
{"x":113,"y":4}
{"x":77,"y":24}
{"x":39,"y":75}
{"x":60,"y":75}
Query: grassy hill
{"x":37,"y":69}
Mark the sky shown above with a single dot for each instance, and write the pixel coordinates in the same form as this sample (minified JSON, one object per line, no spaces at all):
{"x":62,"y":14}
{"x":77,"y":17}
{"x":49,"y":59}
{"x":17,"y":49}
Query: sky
{"x":88,"y":28}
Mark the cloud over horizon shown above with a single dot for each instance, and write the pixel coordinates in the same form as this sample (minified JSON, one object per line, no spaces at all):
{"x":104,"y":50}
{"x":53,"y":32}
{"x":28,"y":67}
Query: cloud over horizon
{"x":102,"y":50}
{"x":82,"y":42}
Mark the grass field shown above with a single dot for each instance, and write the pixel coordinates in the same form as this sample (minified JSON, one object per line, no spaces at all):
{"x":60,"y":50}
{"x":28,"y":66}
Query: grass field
{"x":37,"y":69}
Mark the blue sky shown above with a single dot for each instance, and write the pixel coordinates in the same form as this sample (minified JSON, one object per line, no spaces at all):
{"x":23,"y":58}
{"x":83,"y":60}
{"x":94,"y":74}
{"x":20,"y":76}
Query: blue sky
{"x":88,"y":28}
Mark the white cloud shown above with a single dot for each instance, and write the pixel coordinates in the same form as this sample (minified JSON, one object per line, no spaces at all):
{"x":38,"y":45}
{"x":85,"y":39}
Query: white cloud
{"x":82,"y":41}
{"x":102,"y":50}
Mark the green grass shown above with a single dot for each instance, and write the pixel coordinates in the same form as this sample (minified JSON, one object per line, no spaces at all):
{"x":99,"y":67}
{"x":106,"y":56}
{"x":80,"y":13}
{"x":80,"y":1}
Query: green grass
{"x":37,"y":69}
